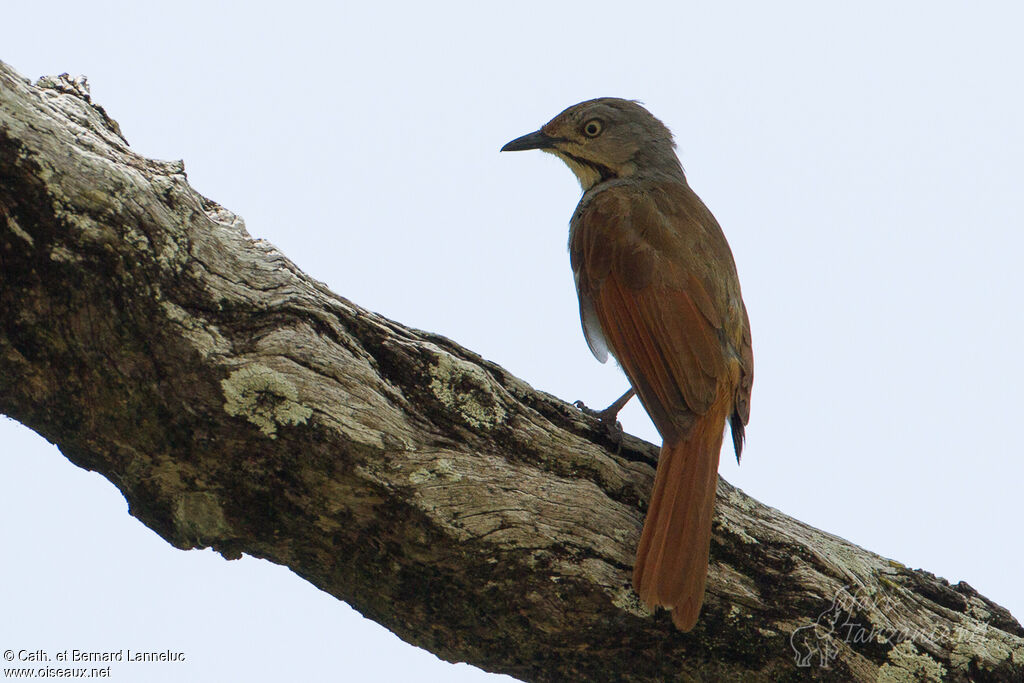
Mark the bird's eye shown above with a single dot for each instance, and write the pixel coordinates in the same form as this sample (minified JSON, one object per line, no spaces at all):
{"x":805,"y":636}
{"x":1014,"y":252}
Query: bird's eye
{"x":593,"y":128}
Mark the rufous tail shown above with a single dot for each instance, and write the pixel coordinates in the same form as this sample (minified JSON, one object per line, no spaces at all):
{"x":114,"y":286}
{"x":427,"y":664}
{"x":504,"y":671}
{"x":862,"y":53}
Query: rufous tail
{"x":672,"y":558}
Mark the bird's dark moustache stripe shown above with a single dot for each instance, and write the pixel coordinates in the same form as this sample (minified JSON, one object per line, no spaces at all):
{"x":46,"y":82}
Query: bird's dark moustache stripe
{"x":602,"y":170}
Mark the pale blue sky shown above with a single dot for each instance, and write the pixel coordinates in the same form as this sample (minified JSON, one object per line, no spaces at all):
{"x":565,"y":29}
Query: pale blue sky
{"x":864,"y":161}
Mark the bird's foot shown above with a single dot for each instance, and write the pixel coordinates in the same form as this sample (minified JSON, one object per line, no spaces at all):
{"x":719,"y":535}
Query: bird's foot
{"x":612,"y":427}
{"x":609,"y":418}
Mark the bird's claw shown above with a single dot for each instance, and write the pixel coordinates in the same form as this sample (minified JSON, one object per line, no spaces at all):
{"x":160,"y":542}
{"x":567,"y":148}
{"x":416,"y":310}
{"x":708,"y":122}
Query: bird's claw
{"x":608,"y":418}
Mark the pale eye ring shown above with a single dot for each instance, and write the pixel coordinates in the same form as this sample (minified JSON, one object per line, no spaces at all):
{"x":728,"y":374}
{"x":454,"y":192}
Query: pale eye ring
{"x":593,"y":128}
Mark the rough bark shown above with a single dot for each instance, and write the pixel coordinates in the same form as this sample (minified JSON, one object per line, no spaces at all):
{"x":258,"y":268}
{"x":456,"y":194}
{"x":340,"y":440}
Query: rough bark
{"x":240,"y":405}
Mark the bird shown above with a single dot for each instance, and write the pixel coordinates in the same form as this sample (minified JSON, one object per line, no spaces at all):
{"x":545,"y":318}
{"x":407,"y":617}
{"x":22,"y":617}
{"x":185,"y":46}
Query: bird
{"x":658,"y":290}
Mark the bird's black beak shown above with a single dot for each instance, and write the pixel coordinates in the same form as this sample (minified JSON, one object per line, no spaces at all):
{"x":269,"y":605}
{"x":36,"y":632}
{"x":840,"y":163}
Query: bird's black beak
{"x":535,"y":140}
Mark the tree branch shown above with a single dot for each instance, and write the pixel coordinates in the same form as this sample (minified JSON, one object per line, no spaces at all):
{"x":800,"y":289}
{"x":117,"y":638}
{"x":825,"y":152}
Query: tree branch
{"x":240,"y":405}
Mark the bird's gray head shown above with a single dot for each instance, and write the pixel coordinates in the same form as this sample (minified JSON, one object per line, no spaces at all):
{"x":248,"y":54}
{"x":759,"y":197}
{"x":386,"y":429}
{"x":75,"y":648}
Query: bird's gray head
{"x":606,"y":138}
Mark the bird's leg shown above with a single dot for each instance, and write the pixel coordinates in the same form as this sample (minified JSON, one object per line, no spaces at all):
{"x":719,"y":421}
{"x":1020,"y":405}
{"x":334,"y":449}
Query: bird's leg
{"x":609,"y":416}
{"x":611,"y":413}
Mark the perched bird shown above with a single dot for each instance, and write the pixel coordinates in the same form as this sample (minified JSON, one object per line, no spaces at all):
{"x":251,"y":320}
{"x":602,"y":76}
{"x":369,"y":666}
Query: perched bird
{"x":658,"y":290}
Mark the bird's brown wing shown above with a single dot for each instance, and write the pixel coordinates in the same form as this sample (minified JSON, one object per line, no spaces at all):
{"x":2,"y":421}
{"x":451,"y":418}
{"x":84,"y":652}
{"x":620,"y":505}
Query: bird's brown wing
{"x":642,"y":267}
